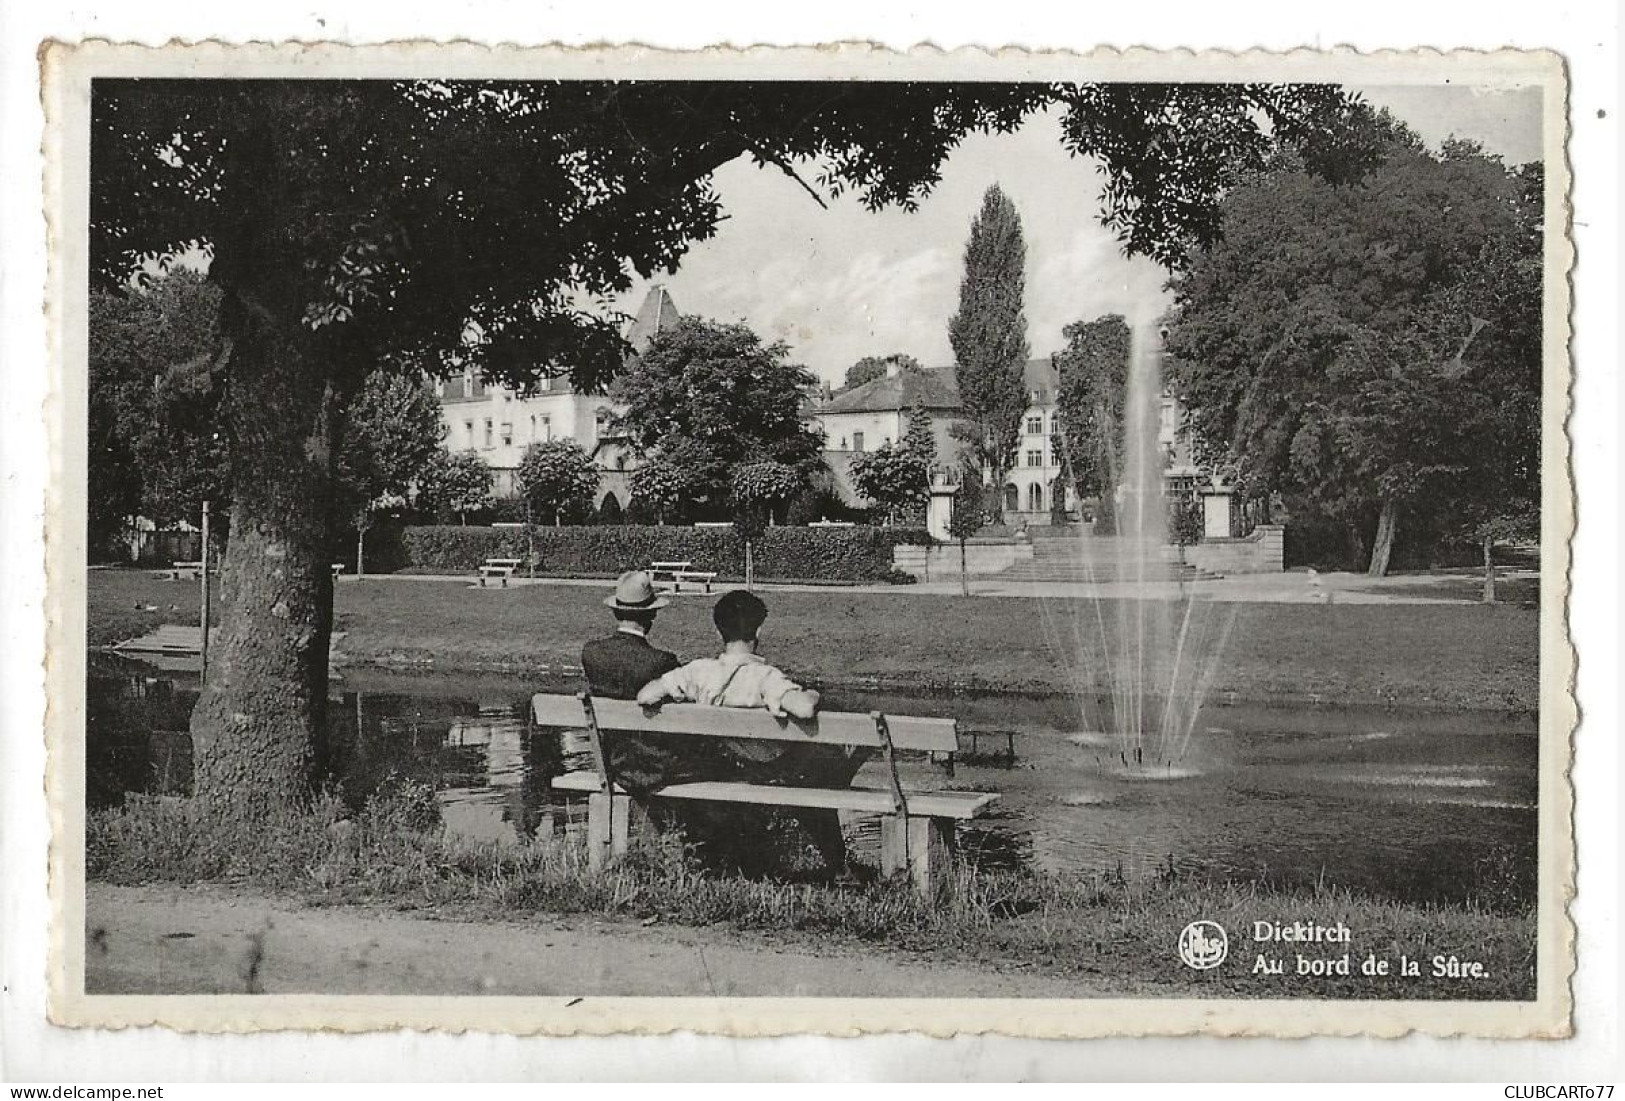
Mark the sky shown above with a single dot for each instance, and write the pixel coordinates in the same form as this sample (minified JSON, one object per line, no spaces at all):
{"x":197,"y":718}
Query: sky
{"x":843,"y":283}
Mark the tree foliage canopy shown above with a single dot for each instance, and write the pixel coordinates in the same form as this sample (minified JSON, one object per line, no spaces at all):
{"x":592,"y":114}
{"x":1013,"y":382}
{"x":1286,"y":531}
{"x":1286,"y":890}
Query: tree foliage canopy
{"x":989,"y":335}
{"x":1371,"y":346}
{"x":1093,"y":370}
{"x":157,"y":442}
{"x":391,"y":439}
{"x":401,"y":217}
{"x":870,"y":368}
{"x":707,"y":398}
{"x":457,"y":483}
{"x":559,"y":479}
{"x":896,"y":479}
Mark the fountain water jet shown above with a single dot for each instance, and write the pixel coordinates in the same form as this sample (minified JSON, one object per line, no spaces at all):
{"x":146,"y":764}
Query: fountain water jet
{"x":1144,"y":654}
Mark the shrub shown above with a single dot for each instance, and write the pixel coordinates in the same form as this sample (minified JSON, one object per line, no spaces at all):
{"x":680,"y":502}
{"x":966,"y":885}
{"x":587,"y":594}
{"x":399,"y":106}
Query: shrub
{"x":783,"y":553}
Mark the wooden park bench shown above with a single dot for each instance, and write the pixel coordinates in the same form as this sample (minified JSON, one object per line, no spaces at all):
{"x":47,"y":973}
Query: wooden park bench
{"x":916,"y":828}
{"x":185,"y":571}
{"x":697,"y":577}
{"x":665,"y":573}
{"x":502,"y":568}
{"x":675,"y":573}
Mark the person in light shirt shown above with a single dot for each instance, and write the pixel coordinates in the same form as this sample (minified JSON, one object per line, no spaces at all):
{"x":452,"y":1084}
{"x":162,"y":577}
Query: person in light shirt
{"x":740,"y":677}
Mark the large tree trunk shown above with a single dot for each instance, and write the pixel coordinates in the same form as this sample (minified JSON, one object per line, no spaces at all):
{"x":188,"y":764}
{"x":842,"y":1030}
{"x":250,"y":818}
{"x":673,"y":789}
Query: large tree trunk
{"x":257,"y":724}
{"x":964,"y":577}
{"x":1489,"y":572}
{"x":1382,"y":547}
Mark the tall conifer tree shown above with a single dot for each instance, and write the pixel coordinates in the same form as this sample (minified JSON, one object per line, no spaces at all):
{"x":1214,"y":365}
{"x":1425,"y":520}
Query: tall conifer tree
{"x":989,"y":338}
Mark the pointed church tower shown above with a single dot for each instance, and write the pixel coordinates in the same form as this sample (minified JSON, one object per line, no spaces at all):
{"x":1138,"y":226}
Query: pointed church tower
{"x":657,"y":314}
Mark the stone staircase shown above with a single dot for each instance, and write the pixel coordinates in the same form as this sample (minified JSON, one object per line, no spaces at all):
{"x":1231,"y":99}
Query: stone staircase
{"x":1084,"y":559}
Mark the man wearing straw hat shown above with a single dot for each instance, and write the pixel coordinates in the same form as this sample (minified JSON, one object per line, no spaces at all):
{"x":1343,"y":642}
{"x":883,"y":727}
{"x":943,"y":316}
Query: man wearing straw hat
{"x":616,"y":667}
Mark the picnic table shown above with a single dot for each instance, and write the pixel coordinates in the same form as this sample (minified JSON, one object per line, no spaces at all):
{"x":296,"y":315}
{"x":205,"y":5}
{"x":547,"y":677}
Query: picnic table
{"x":500,"y":568}
{"x":917,"y":829}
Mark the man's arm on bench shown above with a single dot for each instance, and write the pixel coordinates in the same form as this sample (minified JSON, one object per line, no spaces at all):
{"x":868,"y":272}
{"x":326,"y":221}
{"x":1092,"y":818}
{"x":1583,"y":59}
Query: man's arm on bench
{"x":798,"y":702}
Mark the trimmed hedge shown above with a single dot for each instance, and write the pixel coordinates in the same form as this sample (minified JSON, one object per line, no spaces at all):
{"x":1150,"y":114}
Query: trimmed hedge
{"x":783,"y":553}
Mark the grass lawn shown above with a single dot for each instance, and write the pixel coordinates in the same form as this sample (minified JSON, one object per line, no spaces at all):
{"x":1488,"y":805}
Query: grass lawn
{"x":1466,"y":656}
{"x":1088,"y":926}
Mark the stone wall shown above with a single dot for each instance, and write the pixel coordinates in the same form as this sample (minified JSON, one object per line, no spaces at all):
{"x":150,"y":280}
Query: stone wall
{"x":1261,"y":552}
{"x":982,"y":556}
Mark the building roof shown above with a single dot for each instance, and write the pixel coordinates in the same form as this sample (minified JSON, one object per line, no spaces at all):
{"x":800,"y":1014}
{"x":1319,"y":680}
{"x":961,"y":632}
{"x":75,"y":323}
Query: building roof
{"x":657,"y":314}
{"x":931,"y":387}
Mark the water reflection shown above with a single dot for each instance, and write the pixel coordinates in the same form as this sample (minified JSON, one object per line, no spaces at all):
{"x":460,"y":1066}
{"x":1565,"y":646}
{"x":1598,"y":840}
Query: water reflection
{"x":1424,"y":807}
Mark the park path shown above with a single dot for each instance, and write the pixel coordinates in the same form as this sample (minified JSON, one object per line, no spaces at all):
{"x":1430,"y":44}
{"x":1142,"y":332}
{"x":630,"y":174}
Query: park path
{"x":200,"y":940}
{"x":1290,"y":587}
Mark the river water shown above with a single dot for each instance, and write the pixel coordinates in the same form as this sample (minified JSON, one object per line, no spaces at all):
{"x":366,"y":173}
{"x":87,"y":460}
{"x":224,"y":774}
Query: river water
{"x":1415,"y":806}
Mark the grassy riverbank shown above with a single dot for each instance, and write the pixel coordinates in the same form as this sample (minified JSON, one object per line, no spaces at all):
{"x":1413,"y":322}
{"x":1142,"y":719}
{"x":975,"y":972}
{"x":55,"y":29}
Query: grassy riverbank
{"x":1086,"y":928}
{"x":1439,"y":655}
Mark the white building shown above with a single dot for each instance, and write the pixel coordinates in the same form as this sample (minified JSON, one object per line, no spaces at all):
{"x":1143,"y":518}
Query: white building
{"x":875,"y":414}
{"x":498,"y":424}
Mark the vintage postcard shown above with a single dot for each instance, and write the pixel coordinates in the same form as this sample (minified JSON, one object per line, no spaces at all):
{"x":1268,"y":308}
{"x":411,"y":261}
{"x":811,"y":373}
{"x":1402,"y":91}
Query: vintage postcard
{"x":827,"y":540}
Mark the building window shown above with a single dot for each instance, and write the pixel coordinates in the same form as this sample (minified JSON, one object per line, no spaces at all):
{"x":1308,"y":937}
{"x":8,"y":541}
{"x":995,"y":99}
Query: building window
{"x":468,"y":432}
{"x":507,"y":435}
{"x":1035,"y":425}
{"x":857,"y":441}
{"x":476,"y":387}
{"x":1035,"y":457}
{"x":1035,"y":497}
{"x":843,"y":448}
{"x":488,"y":432}
{"x":1012,"y":498}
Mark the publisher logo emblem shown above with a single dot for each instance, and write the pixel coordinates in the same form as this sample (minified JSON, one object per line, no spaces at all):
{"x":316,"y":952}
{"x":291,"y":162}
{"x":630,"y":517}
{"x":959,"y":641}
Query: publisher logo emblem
{"x":1203,"y":945}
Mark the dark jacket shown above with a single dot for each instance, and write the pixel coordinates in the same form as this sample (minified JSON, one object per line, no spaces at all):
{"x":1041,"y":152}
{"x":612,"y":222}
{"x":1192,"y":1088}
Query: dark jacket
{"x":618,"y":666}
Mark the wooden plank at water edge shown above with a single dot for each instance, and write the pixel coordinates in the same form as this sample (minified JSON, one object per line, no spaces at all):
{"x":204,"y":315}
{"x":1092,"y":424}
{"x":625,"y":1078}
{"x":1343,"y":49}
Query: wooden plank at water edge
{"x":923,"y":804}
{"x":830,"y":727}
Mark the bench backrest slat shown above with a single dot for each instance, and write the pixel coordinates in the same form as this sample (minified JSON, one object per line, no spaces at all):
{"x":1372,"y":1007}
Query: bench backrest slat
{"x":829,"y":727}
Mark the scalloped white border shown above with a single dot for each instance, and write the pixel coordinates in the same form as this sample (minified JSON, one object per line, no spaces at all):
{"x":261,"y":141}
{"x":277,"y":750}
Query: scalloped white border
{"x":67,"y":70}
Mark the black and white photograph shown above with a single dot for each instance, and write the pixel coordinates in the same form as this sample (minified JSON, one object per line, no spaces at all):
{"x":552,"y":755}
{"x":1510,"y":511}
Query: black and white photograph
{"x":863,"y":532}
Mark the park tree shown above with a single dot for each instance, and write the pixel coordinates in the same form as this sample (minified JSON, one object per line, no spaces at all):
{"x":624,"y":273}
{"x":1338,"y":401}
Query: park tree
{"x":989,"y":338}
{"x":1371,"y":349}
{"x":870,"y":368}
{"x":706,"y":398}
{"x":966,"y":518}
{"x":759,"y":489}
{"x":1093,"y":386}
{"x":558,"y":480}
{"x":427,"y":224}
{"x":455,"y":483}
{"x":391,"y":435}
{"x":659,"y":489}
{"x":894,"y":480}
{"x":157,"y":445}
{"x":919,"y":439}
